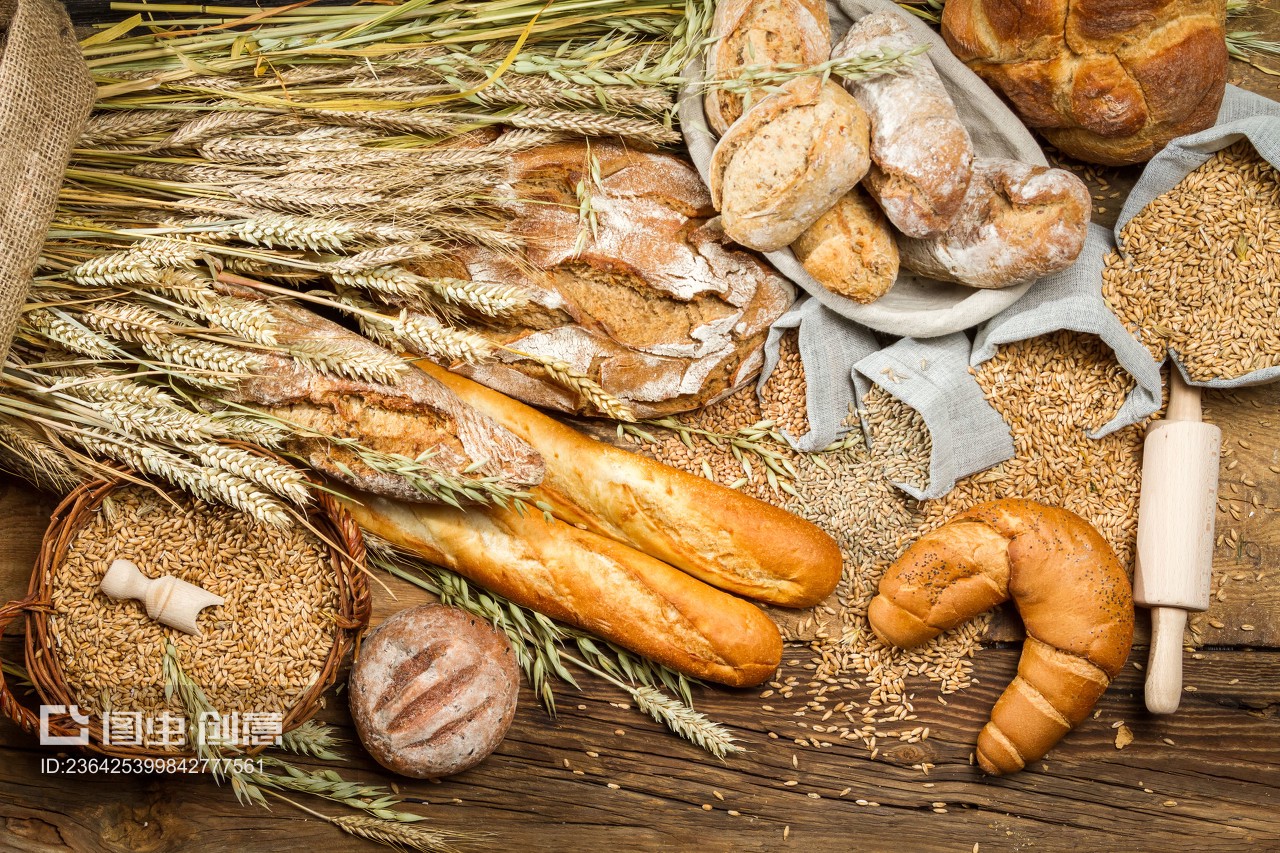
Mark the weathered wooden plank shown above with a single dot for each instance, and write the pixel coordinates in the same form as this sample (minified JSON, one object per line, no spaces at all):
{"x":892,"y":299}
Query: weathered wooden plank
{"x":545,"y":786}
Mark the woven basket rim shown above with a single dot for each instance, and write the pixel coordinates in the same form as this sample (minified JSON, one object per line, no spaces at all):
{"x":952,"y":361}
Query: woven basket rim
{"x":343,"y":544}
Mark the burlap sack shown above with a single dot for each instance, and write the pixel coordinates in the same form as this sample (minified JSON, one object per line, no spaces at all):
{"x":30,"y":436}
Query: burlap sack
{"x":45,"y":96}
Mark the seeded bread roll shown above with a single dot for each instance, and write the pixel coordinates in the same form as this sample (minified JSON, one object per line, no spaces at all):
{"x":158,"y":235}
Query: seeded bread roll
{"x":850,"y":249}
{"x":433,"y":691}
{"x":1072,"y":593}
{"x":921,"y":155}
{"x":787,"y":161}
{"x":760,"y":32}
{"x":586,"y":580}
{"x":1018,"y":222}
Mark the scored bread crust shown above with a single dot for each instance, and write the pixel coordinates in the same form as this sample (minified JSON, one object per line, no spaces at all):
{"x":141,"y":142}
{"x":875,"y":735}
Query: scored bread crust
{"x":760,"y":32}
{"x":589,"y":581}
{"x":787,"y":161}
{"x":921,"y":153}
{"x":1074,"y":597}
{"x":1018,"y":222}
{"x":719,"y":535}
{"x":1104,"y":82}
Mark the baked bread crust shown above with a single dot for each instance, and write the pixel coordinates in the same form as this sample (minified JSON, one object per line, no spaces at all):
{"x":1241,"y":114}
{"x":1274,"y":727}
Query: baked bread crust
{"x":1103,"y":81}
{"x":658,"y":307}
{"x":760,"y":32}
{"x":719,"y":535}
{"x":921,"y":154}
{"x":589,"y":581}
{"x":787,"y":161}
{"x":1074,"y":597}
{"x":850,"y":249}
{"x":1018,"y":222}
{"x":433,"y":691}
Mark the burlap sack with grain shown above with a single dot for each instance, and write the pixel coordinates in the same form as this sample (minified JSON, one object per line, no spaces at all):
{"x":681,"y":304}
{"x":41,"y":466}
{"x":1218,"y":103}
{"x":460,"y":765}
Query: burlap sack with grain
{"x":45,"y":96}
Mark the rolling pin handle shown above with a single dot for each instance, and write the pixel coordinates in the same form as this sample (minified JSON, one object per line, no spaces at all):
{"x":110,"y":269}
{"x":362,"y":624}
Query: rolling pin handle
{"x":1164,"y":664}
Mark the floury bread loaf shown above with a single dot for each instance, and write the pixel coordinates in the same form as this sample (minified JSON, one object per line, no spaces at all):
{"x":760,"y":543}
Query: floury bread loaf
{"x":765,"y":34}
{"x":589,"y":581}
{"x":433,"y":691}
{"x":921,"y":154}
{"x":1072,"y":593}
{"x":654,"y":303}
{"x":721,"y":536}
{"x":1018,"y":222}
{"x":787,"y":161}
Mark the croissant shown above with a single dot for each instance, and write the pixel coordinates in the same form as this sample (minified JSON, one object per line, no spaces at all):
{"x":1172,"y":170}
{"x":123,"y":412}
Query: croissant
{"x":1072,"y":593}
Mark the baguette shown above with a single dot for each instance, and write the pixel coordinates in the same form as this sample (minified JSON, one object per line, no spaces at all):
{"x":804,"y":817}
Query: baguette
{"x":921,"y":154}
{"x":787,"y":161}
{"x":760,"y":33}
{"x":588,"y":581}
{"x":1072,"y":593}
{"x":718,"y":535}
{"x":1018,"y":222}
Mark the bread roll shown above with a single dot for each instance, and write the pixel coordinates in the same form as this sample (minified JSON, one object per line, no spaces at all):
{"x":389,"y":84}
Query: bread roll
{"x":1018,"y":222}
{"x":412,"y":416}
{"x":433,"y":691}
{"x":719,"y":535}
{"x":760,"y":32}
{"x":659,"y":308}
{"x":1104,"y":82}
{"x":586,"y":580}
{"x":850,"y":249}
{"x":1072,"y":593}
{"x":921,"y":155}
{"x":787,"y":161}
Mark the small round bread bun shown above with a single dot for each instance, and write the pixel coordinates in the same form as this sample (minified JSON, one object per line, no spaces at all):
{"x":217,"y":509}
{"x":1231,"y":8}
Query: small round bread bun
{"x":433,"y":691}
{"x":850,"y":249}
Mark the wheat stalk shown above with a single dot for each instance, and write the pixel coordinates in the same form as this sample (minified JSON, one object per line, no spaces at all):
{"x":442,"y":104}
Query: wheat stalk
{"x":125,"y":321}
{"x":566,"y":375}
{"x":117,"y":126}
{"x":314,"y":739}
{"x":26,"y":454}
{"x":58,"y":327}
{"x":280,"y":479}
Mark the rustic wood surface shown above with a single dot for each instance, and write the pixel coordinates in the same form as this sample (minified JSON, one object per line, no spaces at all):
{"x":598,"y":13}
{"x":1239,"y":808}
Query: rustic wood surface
{"x":1205,"y":778}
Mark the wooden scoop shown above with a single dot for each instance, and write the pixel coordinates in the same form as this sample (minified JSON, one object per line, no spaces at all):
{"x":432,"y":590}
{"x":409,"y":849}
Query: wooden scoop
{"x":1175,"y":534}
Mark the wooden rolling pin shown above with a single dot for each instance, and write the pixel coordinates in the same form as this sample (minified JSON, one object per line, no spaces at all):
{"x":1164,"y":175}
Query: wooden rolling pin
{"x":1175,"y":534}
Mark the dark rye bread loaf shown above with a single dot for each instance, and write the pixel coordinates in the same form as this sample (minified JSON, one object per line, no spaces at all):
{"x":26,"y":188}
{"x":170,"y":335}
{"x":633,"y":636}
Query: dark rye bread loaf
{"x":433,"y":691}
{"x":658,"y":306}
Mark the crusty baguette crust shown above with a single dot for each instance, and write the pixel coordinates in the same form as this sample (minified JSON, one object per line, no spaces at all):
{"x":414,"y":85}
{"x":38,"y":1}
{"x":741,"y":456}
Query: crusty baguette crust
{"x":1105,"y":82}
{"x":716,"y":534}
{"x":1072,"y":593}
{"x":587,"y":580}
{"x":787,"y":161}
{"x":1018,"y":222}
{"x":921,"y":154}
{"x":760,"y":32}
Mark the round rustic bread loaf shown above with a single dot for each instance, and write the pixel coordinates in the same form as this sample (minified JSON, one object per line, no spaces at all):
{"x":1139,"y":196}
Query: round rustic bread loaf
{"x":652,"y":302}
{"x":433,"y":691}
{"x":1103,"y":81}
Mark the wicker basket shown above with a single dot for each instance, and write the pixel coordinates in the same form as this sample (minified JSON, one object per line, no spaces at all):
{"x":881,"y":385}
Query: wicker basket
{"x":346,"y":554}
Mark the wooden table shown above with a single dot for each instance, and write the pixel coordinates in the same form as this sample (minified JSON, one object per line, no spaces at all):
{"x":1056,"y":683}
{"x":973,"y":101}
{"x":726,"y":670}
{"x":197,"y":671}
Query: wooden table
{"x":600,"y":776}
